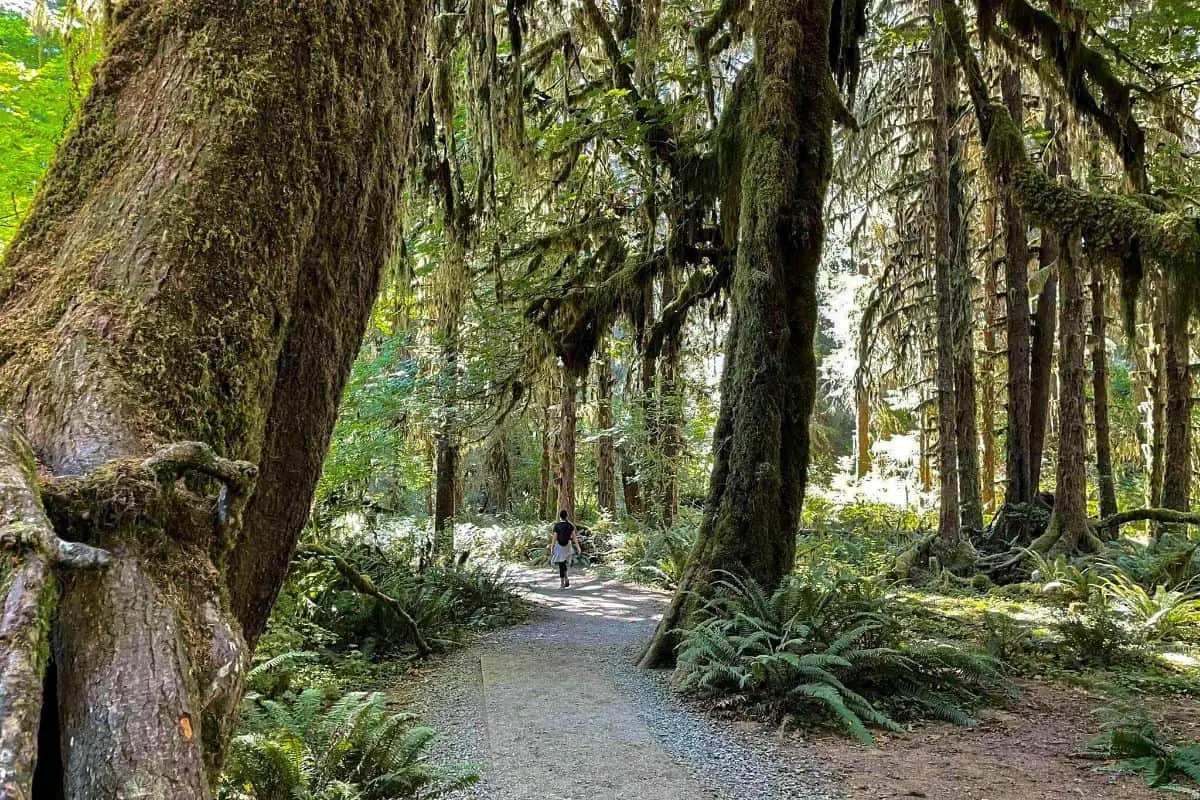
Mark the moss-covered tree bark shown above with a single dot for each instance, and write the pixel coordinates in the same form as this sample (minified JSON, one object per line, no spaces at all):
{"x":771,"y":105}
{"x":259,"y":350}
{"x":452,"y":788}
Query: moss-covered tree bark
{"x":198,"y":267}
{"x":1068,"y":523}
{"x":1103,"y":434}
{"x":768,"y":387}
{"x":1018,"y":467}
{"x":1177,"y":461}
{"x":606,"y":481}
{"x":943,"y":253}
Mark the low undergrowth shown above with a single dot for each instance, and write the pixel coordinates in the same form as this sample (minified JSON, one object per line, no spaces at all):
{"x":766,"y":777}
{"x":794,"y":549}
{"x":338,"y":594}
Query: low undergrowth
{"x":832,"y":651}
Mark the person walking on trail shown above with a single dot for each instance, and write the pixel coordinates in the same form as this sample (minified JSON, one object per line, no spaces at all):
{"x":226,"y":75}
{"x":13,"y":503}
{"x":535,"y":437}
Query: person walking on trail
{"x":564,"y":544}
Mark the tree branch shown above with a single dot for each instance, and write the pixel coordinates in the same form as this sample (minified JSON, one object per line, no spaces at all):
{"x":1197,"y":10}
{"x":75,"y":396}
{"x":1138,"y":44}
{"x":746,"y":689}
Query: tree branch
{"x":1167,"y":515}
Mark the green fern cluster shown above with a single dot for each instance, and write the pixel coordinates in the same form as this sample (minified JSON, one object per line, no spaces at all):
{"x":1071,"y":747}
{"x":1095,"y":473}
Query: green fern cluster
{"x":831,"y":650}
{"x":313,"y":747}
{"x":1132,"y":741}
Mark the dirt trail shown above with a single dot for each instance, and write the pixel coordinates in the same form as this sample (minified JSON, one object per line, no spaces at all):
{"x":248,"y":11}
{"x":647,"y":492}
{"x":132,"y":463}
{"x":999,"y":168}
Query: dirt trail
{"x":553,"y":710}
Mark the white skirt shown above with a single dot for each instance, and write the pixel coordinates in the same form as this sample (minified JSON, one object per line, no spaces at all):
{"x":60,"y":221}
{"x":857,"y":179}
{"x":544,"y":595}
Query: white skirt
{"x":562,"y":553}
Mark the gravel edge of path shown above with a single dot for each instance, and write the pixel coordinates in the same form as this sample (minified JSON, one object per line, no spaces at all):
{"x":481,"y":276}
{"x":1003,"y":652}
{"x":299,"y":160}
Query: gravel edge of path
{"x":737,"y":764}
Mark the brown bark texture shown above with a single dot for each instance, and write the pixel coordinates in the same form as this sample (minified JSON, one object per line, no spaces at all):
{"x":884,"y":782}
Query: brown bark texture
{"x":606,"y":480}
{"x":1177,"y":448}
{"x":943,"y":253}
{"x":1099,"y":353}
{"x":1018,"y":466}
{"x":198,"y":267}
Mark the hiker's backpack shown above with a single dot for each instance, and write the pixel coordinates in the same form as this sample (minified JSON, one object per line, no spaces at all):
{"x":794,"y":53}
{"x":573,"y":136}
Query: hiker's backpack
{"x":562,"y":533}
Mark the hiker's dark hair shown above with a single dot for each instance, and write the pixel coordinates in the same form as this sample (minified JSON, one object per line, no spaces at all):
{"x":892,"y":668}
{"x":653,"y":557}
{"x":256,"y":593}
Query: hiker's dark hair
{"x":562,"y":514}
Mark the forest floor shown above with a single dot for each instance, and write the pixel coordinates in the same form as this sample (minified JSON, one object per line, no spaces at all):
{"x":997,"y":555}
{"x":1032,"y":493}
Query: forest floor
{"x":553,"y":709}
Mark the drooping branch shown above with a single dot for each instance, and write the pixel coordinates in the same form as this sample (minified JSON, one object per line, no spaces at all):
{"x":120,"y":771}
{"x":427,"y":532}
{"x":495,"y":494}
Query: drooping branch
{"x":703,"y":284}
{"x":1114,"y":227}
{"x":1077,"y":64}
{"x":363,"y":584}
{"x":26,"y":534}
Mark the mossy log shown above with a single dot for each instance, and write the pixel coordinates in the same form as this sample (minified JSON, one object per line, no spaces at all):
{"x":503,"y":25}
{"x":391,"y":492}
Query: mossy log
{"x":1168,"y":516}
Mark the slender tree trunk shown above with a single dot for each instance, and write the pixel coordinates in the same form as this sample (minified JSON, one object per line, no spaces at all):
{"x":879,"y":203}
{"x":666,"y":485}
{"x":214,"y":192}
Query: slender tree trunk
{"x":1104,"y":469}
{"x":943,"y":254}
{"x":499,"y":473}
{"x":1177,"y":466}
{"x":630,"y":485}
{"x":1041,"y":383}
{"x":862,"y":427}
{"x":1042,"y":334}
{"x":925,"y":466}
{"x":1018,"y":470}
{"x":606,"y":486}
{"x":993,"y":315}
{"x":768,"y":387}
{"x":1069,"y":520}
{"x":670,"y":405}
{"x":199,"y":267}
{"x":564,"y":477}
{"x":966,"y":427}
{"x":1157,"y":410}
{"x":445,"y":494}
{"x":546,"y":468}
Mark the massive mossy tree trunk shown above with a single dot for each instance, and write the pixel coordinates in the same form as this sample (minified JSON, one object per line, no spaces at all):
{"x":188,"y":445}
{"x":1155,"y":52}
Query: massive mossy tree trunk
{"x":606,"y":486}
{"x":1099,"y":347}
{"x":944,"y":294}
{"x":199,"y":267}
{"x":768,"y":388}
{"x":1018,"y":467}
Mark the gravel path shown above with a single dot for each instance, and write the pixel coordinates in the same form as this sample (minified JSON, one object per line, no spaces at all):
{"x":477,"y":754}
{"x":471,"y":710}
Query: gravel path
{"x":561,"y":689}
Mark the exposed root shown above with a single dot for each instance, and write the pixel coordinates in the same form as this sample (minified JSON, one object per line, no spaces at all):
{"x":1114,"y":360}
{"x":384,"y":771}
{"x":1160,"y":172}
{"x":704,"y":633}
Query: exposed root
{"x":26,"y":534}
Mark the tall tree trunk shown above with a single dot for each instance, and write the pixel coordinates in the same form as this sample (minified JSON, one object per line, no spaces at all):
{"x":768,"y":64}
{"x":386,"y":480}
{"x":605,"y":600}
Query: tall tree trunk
{"x":1068,"y":523}
{"x":499,"y":473}
{"x":1042,"y":333}
{"x":1104,"y":469}
{"x":630,"y":485}
{"x":445,"y":495}
{"x":1018,"y":469}
{"x":670,"y":407}
{"x":966,"y":428}
{"x":1041,"y":374}
{"x":606,"y":486}
{"x":1177,"y":465}
{"x":546,"y":469}
{"x":1157,"y":411}
{"x":564,"y":476}
{"x":862,"y":409}
{"x":993,"y":315}
{"x":768,"y":388}
{"x":943,"y":254}
{"x":198,"y":268}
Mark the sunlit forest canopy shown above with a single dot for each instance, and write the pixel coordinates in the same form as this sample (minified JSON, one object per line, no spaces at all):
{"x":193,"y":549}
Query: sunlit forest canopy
{"x":843,"y":353}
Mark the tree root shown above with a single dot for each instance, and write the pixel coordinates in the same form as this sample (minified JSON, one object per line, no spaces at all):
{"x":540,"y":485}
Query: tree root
{"x":363,"y":584}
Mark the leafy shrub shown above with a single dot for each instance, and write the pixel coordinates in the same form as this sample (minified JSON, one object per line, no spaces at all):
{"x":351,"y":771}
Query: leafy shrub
{"x":1097,"y":637}
{"x":1162,"y":613}
{"x":1132,"y":740}
{"x":832,"y":649}
{"x":1171,"y":560}
{"x":312,"y":747}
